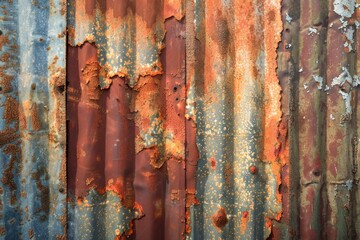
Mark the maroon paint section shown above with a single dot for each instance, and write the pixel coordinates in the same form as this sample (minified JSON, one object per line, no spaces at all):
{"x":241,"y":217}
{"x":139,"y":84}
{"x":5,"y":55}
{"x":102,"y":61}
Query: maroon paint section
{"x":174,"y":112}
{"x":164,"y":204}
{"x":105,"y":150}
{"x":86,"y":121}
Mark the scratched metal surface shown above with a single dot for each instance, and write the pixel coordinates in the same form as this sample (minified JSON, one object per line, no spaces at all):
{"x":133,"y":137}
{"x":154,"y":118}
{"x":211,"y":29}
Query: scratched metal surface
{"x":32,"y":122}
{"x":216,"y":119}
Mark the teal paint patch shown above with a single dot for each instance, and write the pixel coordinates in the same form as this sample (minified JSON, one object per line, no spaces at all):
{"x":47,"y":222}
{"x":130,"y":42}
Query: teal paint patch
{"x":100,"y":216}
{"x":127,"y":47}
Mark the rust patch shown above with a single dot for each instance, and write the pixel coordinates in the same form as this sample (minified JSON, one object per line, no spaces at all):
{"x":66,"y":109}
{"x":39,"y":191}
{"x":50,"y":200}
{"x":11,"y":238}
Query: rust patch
{"x":5,"y":57}
{"x":11,"y":171}
{"x":4,"y":40}
{"x":228,"y":172}
{"x":220,"y":219}
{"x":11,"y":110}
{"x":155,"y":159}
{"x":244,"y":221}
{"x":5,"y":81}
{"x":90,"y":80}
{"x":44,"y":191}
{"x":212,"y":163}
{"x":35,"y":118}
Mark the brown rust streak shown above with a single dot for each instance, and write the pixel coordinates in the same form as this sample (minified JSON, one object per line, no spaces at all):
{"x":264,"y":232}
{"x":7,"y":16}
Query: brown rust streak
{"x":192,"y":154}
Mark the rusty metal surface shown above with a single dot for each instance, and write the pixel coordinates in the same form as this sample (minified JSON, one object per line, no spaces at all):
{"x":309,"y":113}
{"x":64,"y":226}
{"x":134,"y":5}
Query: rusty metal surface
{"x":216,"y":119}
{"x":32,"y":122}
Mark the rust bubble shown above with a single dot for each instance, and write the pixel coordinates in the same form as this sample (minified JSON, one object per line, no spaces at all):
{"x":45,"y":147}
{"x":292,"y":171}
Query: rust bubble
{"x":212,"y":163}
{"x":219,"y":218}
{"x":253,"y":169}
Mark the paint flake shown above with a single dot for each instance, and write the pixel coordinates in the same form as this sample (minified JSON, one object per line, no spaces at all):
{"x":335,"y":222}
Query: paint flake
{"x":344,"y":8}
{"x":288,"y":18}
{"x":319,"y":80}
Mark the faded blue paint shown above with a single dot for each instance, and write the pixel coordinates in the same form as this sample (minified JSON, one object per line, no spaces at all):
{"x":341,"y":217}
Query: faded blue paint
{"x":32,"y":204}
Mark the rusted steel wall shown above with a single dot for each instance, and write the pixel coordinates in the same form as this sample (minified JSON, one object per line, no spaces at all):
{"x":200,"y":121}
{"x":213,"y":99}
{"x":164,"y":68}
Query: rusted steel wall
{"x":216,"y":119}
{"x":318,"y":71}
{"x":32,"y":122}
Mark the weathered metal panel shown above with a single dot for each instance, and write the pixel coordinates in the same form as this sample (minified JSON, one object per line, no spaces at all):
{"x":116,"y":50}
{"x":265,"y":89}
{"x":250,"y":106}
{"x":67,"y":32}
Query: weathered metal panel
{"x":216,"y":119}
{"x":32,"y":123}
{"x":318,"y":73}
{"x":126,"y":141}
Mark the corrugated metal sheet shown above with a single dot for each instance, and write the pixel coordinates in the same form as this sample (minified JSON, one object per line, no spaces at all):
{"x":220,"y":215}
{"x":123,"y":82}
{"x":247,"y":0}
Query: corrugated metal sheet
{"x":32,"y":123}
{"x":215,"y":119}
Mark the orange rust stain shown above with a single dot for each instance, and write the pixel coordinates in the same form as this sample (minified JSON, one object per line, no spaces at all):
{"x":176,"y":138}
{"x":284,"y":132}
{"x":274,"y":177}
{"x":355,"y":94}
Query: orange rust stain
{"x":268,"y":223}
{"x":220,"y":219}
{"x":244,"y":221}
{"x":90,"y":80}
{"x":272,"y":105}
{"x":174,"y":8}
{"x":273,"y":131}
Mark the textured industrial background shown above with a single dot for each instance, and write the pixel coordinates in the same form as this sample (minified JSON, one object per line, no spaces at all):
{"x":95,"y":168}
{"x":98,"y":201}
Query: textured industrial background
{"x":174,"y":119}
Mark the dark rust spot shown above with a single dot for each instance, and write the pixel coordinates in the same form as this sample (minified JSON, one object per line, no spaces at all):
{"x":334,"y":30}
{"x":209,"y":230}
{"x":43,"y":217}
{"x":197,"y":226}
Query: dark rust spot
{"x":31,"y":233}
{"x":317,"y":172}
{"x":219,"y":218}
{"x":2,"y":231}
{"x":60,"y":88}
{"x":245,"y":214}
